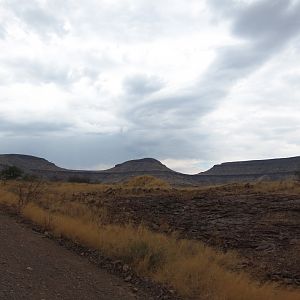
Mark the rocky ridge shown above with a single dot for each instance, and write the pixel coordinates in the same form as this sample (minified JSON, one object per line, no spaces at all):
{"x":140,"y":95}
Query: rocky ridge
{"x":275,"y":169}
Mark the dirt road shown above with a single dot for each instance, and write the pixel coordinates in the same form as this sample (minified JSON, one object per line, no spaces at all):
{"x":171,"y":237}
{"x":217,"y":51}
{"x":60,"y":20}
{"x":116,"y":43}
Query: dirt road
{"x":34,"y":267}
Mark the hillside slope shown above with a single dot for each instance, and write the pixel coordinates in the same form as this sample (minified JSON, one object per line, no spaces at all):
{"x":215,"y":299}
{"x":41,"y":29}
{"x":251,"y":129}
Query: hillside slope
{"x":27,"y":162}
{"x":247,"y":171}
{"x":140,"y":165}
{"x":256,"y":167}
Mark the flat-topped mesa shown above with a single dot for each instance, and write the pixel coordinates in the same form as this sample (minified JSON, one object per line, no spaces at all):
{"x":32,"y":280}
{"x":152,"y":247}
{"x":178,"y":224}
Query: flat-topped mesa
{"x":256,"y":167}
{"x":140,"y":165}
{"x":27,"y":162}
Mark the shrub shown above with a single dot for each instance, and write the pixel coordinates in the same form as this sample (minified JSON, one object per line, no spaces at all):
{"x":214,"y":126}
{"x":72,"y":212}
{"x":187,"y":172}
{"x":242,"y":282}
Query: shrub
{"x":10,"y":173}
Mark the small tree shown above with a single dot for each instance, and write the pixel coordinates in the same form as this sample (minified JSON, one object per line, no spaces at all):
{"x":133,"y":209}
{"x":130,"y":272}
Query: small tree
{"x":10,"y":173}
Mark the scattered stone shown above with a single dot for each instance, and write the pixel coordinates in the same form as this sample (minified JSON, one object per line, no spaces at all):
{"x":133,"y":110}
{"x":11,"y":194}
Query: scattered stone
{"x":126,"y":268}
{"x":264,"y":247}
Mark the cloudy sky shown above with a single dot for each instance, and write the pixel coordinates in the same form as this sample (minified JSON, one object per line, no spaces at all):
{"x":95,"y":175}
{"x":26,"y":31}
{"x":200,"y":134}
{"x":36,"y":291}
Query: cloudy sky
{"x":91,"y":83}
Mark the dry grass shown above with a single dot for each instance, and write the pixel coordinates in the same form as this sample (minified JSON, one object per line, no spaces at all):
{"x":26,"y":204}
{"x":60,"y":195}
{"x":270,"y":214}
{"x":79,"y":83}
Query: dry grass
{"x":146,"y":181}
{"x":284,"y":186}
{"x":193,"y":269}
{"x":8,"y":197}
{"x":68,"y":187}
{"x":288,"y":186}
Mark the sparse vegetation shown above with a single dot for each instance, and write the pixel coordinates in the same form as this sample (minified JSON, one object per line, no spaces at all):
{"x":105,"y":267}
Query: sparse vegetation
{"x":29,"y":191}
{"x":288,"y":186}
{"x":196,"y":271}
{"x":11,"y":173}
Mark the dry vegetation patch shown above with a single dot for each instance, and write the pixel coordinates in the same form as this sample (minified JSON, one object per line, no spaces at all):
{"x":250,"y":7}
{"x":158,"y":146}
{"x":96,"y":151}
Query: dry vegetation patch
{"x":145,"y":182}
{"x":196,"y":271}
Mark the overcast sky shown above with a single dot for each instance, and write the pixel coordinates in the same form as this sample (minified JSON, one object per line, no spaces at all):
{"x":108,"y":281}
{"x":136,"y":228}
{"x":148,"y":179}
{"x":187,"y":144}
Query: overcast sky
{"x":87,"y":84}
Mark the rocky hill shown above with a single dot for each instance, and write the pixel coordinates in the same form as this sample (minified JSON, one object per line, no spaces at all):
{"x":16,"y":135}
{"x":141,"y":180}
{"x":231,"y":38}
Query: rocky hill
{"x":27,"y":163}
{"x":246,"y":171}
{"x":140,"y":165}
{"x":256,"y":167}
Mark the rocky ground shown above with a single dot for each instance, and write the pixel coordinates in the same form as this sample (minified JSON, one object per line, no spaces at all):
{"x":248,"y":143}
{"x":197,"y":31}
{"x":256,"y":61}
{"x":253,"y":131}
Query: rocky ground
{"x":263,"y":227}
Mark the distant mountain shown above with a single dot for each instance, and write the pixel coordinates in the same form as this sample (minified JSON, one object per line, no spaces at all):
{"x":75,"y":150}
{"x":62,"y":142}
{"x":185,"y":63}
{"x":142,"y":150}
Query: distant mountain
{"x":27,"y":162}
{"x":244,"y":171}
{"x":256,"y":167}
{"x":140,"y":165}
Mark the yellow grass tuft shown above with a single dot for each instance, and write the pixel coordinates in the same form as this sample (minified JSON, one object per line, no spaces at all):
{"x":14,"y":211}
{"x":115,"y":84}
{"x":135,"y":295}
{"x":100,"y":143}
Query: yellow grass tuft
{"x":7,"y":194}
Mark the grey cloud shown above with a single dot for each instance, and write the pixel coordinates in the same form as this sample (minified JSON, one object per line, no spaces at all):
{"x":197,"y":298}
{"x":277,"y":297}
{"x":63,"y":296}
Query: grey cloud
{"x":269,"y":25}
{"x":106,"y":148}
{"x":2,"y":31}
{"x":232,"y":64}
{"x":167,"y":143}
{"x":37,"y":17}
{"x":162,"y":125}
{"x":164,"y":113}
{"x":274,"y":21}
{"x":34,"y":128}
{"x":126,"y":21}
{"x":140,"y":84}
{"x":292,"y":79}
{"x":119,"y":21}
{"x":26,"y":70}
{"x":58,"y":70}
{"x":39,"y":71}
{"x":86,"y":151}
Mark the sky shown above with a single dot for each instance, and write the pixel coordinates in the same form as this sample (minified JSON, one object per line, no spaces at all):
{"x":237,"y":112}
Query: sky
{"x":88,"y":84}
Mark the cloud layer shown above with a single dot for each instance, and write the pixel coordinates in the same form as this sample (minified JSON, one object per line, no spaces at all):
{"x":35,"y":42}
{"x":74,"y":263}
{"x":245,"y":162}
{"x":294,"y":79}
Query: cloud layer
{"x":189,"y":82}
